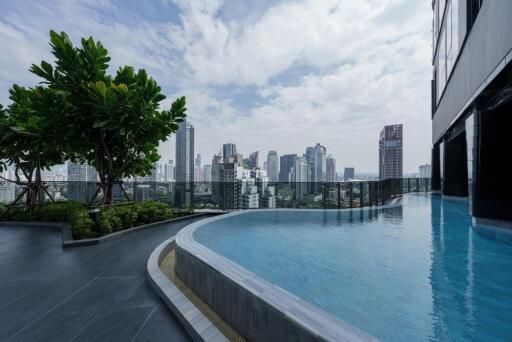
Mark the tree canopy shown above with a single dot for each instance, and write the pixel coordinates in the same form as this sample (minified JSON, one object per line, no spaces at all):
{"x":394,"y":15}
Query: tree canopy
{"x":112,"y":122}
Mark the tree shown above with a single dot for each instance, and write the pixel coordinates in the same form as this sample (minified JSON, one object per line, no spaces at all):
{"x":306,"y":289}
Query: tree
{"x":26,"y":139}
{"x":111,"y":122}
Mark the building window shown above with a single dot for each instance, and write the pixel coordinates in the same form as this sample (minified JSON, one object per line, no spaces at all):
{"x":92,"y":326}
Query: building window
{"x":448,"y":48}
{"x":473,"y":7}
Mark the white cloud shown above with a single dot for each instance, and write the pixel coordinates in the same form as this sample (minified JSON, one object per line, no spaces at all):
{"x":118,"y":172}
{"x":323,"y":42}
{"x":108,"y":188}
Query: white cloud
{"x":367,"y":62}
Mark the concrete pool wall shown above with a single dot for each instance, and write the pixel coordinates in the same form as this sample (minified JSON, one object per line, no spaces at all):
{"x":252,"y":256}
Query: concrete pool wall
{"x":256,"y":308}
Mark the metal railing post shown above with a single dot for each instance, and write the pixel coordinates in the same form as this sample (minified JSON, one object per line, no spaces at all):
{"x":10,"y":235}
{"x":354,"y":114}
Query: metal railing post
{"x":408,"y":185}
{"x":350,"y":194}
{"x":361,"y":194}
{"x":338,"y":185}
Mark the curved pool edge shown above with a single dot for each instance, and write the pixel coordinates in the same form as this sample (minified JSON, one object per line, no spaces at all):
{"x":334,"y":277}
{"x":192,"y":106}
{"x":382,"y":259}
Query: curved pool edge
{"x":258,"y":309}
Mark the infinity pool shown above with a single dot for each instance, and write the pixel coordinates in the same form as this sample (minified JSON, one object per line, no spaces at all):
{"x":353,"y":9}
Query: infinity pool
{"x":418,"y":271}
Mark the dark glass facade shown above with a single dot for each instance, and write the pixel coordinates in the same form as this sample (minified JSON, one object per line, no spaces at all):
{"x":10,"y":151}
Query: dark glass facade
{"x":472,"y":104}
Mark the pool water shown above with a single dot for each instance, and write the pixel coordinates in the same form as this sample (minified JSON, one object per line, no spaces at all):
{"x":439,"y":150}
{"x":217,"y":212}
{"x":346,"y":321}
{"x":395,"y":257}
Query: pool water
{"x":418,"y":271}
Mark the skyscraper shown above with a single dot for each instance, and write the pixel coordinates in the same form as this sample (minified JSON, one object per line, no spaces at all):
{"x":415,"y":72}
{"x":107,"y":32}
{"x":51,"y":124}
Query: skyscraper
{"x":319,"y":163}
{"x":331,"y":169}
{"x":169,"y":171}
{"x":390,"y":152}
{"x":425,"y":171}
{"x":228,"y":151}
{"x":286,"y":163}
{"x":185,"y":153}
{"x":349,"y":174}
{"x":273,"y":166}
{"x":198,"y":160}
{"x":254,"y":158}
{"x":299,"y":176}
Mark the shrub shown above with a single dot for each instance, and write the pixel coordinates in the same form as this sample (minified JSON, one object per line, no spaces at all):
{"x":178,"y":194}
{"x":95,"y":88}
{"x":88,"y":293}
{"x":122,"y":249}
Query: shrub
{"x":81,"y":225}
{"x":153,"y":211}
{"x":57,"y":212}
{"x":109,"y":222}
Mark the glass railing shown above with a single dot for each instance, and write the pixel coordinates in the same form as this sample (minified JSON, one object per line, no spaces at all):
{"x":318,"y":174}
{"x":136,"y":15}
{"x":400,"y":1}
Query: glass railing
{"x":233,"y":195}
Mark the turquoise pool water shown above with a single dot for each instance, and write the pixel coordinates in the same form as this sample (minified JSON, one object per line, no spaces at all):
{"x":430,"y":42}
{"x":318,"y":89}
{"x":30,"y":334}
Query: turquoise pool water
{"x":409,"y":273}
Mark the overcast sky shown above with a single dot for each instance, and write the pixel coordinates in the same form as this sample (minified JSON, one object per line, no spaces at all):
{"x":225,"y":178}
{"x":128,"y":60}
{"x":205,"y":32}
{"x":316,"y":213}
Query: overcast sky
{"x":264,"y":74}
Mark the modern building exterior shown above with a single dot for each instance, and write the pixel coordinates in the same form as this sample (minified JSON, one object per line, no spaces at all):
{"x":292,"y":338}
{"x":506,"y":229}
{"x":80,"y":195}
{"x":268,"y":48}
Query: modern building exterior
{"x":471,"y":103}
{"x":331,"y":169}
{"x":184,"y":163}
{"x":185,"y":153}
{"x":348,"y":174}
{"x":254,"y":159}
{"x":319,"y":164}
{"x":425,"y":171}
{"x":390,"y":152}
{"x":228,"y":151}
{"x":198,"y":160}
{"x":273,"y":166}
{"x":81,"y":181}
{"x":285,"y":166}
{"x":299,"y":176}
{"x":207,"y":173}
{"x":169,"y":171}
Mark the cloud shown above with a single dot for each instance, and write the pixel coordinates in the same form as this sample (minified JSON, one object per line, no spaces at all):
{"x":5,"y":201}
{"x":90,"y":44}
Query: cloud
{"x":267,"y":75}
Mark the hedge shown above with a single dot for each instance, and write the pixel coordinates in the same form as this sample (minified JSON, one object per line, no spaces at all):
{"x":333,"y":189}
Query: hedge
{"x":113,"y":218}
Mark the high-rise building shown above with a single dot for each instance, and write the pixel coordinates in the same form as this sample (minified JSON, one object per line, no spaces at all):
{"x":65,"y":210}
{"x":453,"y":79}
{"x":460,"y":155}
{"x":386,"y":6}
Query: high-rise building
{"x":81,"y":181}
{"x":348,"y":174}
{"x":169,"y":171}
{"x":471,"y":104}
{"x":254,"y":158}
{"x":425,"y":171}
{"x":228,"y":151}
{"x":299,"y":176}
{"x":331,"y":169}
{"x":286,"y":164}
{"x":390,"y":152}
{"x":185,"y":153}
{"x":198,"y":160}
{"x":319,"y":164}
{"x":184,"y":194}
{"x":273,"y":166}
{"x":207,"y":173}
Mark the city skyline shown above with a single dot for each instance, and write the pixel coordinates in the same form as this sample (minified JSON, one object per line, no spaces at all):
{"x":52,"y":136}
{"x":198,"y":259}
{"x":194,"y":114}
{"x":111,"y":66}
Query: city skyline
{"x":338,"y":91}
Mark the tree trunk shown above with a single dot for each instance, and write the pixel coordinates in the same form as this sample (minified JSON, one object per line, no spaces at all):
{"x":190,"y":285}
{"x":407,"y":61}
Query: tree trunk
{"x":107,"y":187}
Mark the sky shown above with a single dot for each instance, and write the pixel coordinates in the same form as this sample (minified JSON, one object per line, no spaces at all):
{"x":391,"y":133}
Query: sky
{"x":263,"y":74}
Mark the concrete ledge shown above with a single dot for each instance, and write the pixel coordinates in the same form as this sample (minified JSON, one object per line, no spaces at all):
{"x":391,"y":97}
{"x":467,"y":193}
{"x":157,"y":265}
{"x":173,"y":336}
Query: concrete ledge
{"x":257,"y":309}
{"x":198,"y":326}
{"x":67,"y":236}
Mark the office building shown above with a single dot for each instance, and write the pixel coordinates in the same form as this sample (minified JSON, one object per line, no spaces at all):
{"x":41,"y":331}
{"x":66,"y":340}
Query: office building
{"x":184,"y":194}
{"x":286,"y":164}
{"x":425,"y":171}
{"x":471,"y":104}
{"x":299,"y":176}
{"x":198,"y":160}
{"x":390,"y":152}
{"x":207,"y":173}
{"x":254,"y":159}
{"x":169,"y":171}
{"x":228,"y":151}
{"x":185,"y":153}
{"x":331,"y":169}
{"x":348,"y":174}
{"x":273,"y":166}
{"x":81,"y":181}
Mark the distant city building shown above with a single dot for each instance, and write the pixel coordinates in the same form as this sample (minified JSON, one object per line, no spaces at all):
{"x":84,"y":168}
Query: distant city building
{"x":265,"y":165}
{"x":228,"y":151}
{"x":198,"y":160}
{"x":299,"y":176}
{"x":184,"y":164}
{"x":207,"y":173}
{"x":273,"y":166}
{"x":320,"y":163}
{"x":286,"y":164}
{"x":348,"y":174}
{"x":331,"y":169}
{"x":254,"y":159}
{"x":169,"y":171}
{"x":81,"y":181}
{"x":185,"y":153}
{"x":425,"y":171}
{"x":390,"y":152}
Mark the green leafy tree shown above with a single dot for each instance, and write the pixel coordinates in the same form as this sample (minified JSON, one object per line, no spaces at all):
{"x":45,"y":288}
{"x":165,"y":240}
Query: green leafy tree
{"x":112,"y":122}
{"x":26,"y":139}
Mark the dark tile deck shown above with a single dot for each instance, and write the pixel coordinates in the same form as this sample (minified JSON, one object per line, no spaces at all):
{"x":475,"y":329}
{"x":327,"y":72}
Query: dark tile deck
{"x":90,"y":293}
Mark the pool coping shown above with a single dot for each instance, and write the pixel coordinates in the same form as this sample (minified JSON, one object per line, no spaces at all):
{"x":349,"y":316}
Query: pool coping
{"x":317,"y":322}
{"x":197,"y":325}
